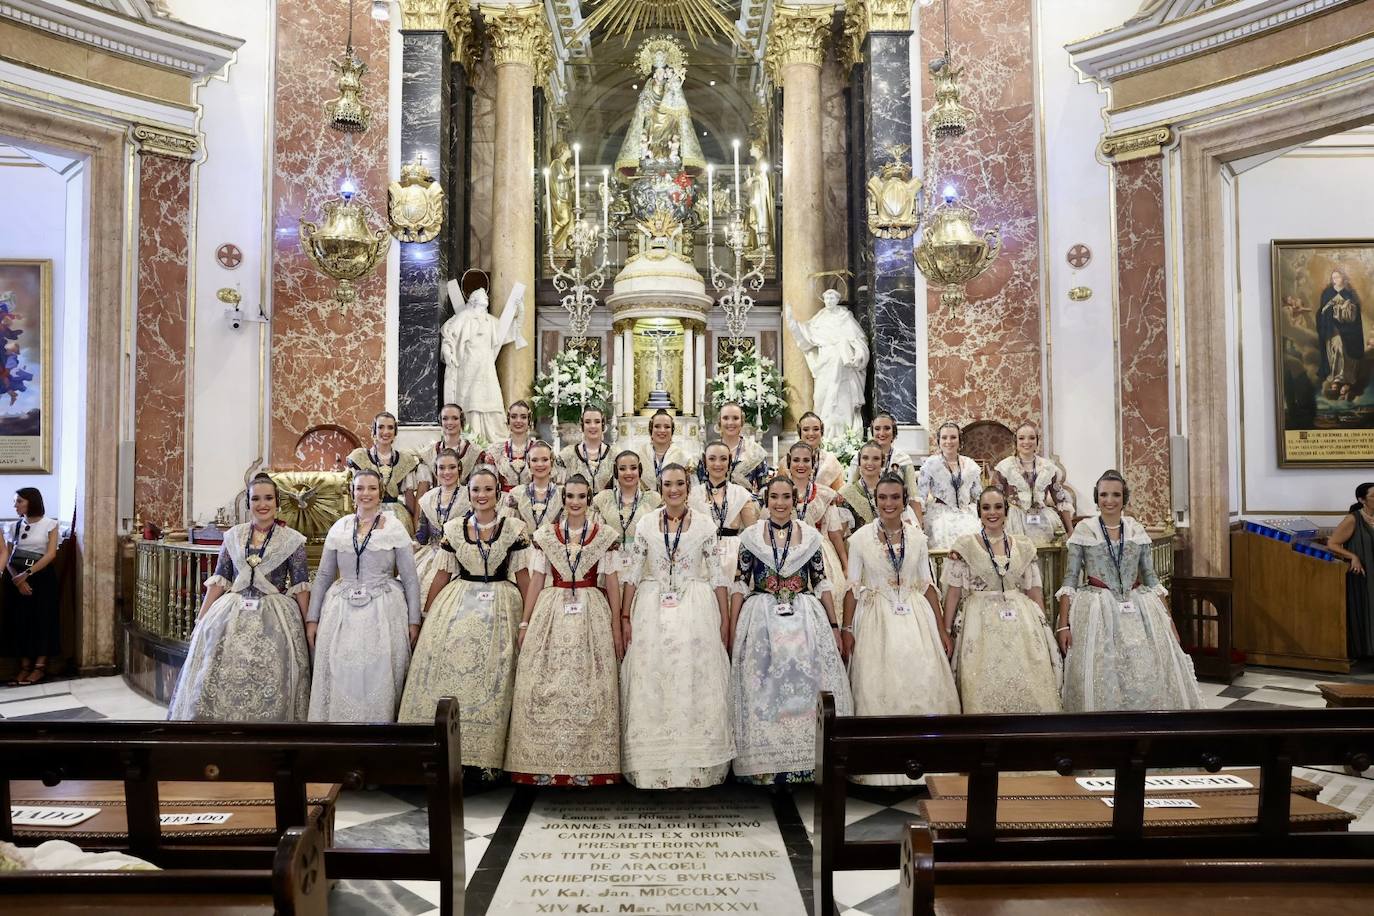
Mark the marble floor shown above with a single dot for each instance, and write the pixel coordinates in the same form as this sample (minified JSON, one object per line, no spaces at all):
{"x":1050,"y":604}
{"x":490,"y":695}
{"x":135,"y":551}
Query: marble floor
{"x":772,"y":846}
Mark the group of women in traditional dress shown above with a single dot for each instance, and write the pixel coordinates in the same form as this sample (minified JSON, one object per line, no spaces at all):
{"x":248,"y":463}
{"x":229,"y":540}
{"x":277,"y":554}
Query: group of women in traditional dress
{"x":604,"y":615}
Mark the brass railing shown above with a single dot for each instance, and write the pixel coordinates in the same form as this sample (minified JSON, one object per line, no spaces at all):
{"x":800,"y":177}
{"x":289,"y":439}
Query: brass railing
{"x":169,"y":586}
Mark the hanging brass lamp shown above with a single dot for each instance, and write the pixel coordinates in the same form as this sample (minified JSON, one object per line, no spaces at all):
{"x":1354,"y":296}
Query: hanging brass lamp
{"x":952,"y":253}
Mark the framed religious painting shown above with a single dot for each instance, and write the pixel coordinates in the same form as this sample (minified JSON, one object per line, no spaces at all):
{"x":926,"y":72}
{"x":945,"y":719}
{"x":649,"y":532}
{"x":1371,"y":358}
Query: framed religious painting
{"x":1323,"y":304}
{"x":26,"y":378}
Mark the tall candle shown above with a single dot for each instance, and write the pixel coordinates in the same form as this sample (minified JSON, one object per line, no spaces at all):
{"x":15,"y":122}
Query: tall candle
{"x":555,"y":393}
{"x":775,"y":453}
{"x":577,"y":176}
{"x":583,"y":372}
{"x":710,"y":202}
{"x":735,"y":144}
{"x":730,"y":386}
{"x":758,"y":402}
{"x":606,"y":199}
{"x":548,"y":199}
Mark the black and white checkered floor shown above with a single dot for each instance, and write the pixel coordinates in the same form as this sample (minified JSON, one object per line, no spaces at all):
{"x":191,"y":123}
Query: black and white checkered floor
{"x":493,"y":820}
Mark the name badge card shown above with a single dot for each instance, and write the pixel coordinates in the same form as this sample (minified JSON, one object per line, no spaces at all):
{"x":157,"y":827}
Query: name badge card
{"x":1007,"y":613}
{"x":486,"y":596}
{"x":572,"y":607}
{"x":784,"y":609}
{"x":359,"y":596}
{"x":670,"y":599}
{"x":1034,"y":518}
{"x":251,"y":604}
{"x":902,"y":608}
{"x":1128,"y":607}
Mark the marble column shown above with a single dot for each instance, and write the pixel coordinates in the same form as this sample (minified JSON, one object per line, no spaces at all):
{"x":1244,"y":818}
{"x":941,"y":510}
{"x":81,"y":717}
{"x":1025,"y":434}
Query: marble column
{"x":521,"y":53}
{"x":161,"y":335}
{"x":424,"y":266}
{"x":1142,"y":323}
{"x":884,"y":27}
{"x":796,"y":48}
{"x":689,"y":382}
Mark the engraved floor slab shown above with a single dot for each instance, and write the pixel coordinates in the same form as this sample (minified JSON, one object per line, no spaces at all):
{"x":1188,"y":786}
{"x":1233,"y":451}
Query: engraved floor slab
{"x":650,"y":854}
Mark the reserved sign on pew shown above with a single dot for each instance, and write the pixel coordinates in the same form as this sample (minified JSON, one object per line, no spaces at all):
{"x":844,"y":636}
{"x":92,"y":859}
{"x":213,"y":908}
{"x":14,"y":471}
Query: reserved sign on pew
{"x":1158,"y":803}
{"x":1167,"y":783}
{"x":39,"y":816}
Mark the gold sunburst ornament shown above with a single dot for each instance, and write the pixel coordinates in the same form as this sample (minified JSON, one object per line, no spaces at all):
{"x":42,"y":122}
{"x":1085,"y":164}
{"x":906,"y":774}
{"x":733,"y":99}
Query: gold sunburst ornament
{"x":702,"y":18}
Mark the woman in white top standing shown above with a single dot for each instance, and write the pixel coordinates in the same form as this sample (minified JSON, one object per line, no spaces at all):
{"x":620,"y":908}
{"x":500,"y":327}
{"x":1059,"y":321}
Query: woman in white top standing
{"x":675,"y":625}
{"x":949,"y":485}
{"x":884,"y":429}
{"x":364,"y":612}
{"x":622,"y":506}
{"x":661,"y":450}
{"x":32,"y":627}
{"x":449,"y":499}
{"x":592,"y":456}
{"x":829,"y":471}
{"x":729,"y":505}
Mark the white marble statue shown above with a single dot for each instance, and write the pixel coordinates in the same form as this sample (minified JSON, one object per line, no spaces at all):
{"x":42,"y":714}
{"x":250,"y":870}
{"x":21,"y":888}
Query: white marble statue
{"x":471,"y":340}
{"x":836,"y":351}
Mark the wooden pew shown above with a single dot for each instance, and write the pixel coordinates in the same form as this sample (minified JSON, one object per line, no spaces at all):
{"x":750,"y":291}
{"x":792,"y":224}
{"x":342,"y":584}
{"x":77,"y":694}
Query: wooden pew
{"x":1127,"y":743}
{"x":289,"y":756}
{"x":296,"y":885}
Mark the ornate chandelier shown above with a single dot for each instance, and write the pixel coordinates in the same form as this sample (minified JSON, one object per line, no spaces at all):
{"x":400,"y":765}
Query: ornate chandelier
{"x":582,"y":276}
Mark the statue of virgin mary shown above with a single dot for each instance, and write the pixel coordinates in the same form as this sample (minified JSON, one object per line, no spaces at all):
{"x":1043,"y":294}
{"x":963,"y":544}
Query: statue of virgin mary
{"x":661,"y":128}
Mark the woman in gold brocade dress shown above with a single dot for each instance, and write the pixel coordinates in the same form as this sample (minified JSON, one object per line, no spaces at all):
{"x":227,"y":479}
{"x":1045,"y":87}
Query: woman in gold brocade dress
{"x":451,"y":422}
{"x":622,"y":506}
{"x":538,"y":500}
{"x":1040,"y":507}
{"x":592,"y":456}
{"x":829,"y":471}
{"x":565,"y":715}
{"x":467,"y":647}
{"x":448,"y":499}
{"x":748,"y":461}
{"x":401,"y":472}
{"x":661,"y":451}
{"x":1005,"y":659}
{"x":509,"y":456}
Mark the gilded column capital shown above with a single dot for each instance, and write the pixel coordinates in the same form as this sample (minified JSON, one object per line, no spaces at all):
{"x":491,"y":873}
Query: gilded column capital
{"x":453,"y":17}
{"x":161,"y":141}
{"x":864,"y":16}
{"x":797,"y":36}
{"x":1136,"y":144}
{"x":423,"y":15}
{"x":462,"y":34}
{"x":519,"y":35}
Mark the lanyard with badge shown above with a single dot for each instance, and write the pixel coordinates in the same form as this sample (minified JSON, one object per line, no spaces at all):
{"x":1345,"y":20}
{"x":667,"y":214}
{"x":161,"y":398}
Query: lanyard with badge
{"x":670,"y":549}
{"x":571,"y":605}
{"x":390,"y":468}
{"x":359,"y":594}
{"x":585,"y":457}
{"x":784,"y":605}
{"x":548,"y":501}
{"x":895,"y":559}
{"x":1001,"y":567}
{"x":625,"y":520}
{"x":1116,"y":556}
{"x":486,"y":595}
{"x":1033,"y":518}
{"x":254,"y":556}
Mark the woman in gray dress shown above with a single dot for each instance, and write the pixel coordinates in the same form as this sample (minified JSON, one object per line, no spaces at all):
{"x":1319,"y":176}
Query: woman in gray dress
{"x":363,"y":620}
{"x":248,"y":660}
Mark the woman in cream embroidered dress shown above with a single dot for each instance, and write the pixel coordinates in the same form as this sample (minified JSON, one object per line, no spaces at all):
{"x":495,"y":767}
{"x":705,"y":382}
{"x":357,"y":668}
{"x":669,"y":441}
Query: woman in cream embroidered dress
{"x":248,"y":660}
{"x":1040,"y":508}
{"x":661,"y":451}
{"x":816,"y":505}
{"x":897,"y":642}
{"x":451,"y":422}
{"x":786,"y":644}
{"x":401,"y":472}
{"x":622,"y":506}
{"x":949,"y":485}
{"x":565,"y":715}
{"x":884,"y":429}
{"x":1120,"y":647}
{"x":510,"y":456}
{"x":829,"y":471}
{"x":363,"y":620}
{"x":675,"y":626}
{"x":537,"y":501}
{"x":445,"y":501}
{"x":592,"y":456}
{"x":861,"y":495}
{"x":731,"y":506}
{"x":1005,"y":658}
{"x":748,"y":461}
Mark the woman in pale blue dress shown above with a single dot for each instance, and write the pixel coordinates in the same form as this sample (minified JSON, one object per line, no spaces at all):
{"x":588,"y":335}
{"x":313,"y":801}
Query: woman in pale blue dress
{"x":364,"y":612}
{"x":1121,"y":648}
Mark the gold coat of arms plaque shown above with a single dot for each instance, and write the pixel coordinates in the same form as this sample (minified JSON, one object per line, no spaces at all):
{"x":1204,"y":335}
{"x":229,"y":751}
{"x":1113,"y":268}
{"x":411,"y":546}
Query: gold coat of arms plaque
{"x":415,"y":204}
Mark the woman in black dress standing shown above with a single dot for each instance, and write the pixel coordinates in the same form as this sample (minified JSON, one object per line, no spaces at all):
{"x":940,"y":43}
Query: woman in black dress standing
{"x":32,"y":630}
{"x":1353,"y":540}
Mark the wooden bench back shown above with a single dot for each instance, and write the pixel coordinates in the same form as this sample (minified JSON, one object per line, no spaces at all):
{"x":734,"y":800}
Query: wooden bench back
{"x":1126,"y":743}
{"x":287,"y":755}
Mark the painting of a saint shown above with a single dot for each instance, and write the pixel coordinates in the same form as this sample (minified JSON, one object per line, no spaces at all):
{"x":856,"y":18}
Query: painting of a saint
{"x":1324,"y":352}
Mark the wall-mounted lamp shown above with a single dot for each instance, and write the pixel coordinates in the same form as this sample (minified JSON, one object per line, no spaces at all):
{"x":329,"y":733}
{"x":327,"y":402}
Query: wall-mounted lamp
{"x":381,"y":10}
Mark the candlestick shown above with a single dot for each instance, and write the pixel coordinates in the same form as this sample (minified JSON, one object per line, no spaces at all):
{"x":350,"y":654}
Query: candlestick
{"x":555,"y":392}
{"x":758,"y":402}
{"x":577,"y":176}
{"x":548,"y":199}
{"x":710,"y":202}
{"x":775,"y":453}
{"x":583,"y":373}
{"x":730,"y":385}
{"x":606,"y":199}
{"x":735,"y":144}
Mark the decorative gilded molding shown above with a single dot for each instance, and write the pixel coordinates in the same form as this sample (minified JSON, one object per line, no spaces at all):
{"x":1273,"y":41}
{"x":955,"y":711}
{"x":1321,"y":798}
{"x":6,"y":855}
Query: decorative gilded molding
{"x":462,"y":34}
{"x":519,"y":35}
{"x":453,"y":17}
{"x":864,"y":16}
{"x":159,"y":141}
{"x":797,"y":36}
{"x":1136,"y":144}
{"x":423,"y":15}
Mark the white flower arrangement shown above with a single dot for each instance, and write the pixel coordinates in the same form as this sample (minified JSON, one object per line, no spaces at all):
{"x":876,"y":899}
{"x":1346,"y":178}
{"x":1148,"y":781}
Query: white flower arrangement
{"x":576,"y":381}
{"x":845,"y":447}
{"x":752,"y":382}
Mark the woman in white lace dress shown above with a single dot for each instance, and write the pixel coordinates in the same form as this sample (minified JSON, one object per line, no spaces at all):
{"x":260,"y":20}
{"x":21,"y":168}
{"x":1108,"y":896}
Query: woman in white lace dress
{"x":565,"y":714}
{"x":884,"y":428}
{"x":538,"y":500}
{"x":622,"y":506}
{"x":248,"y":660}
{"x":818,"y":506}
{"x":451,"y":423}
{"x":1041,"y":508}
{"x":949,"y":485}
{"x":829,"y":471}
{"x":1121,"y":649}
{"x":786,"y":645}
{"x":592,"y":457}
{"x":731,"y":506}
{"x":363,"y":619}
{"x":748,"y":461}
{"x":1005,"y":658}
{"x":675,"y":679}
{"x":467,"y":648}
{"x":661,"y":451}
{"x":447,"y":499}
{"x":897,"y":642}
{"x":510,"y":456}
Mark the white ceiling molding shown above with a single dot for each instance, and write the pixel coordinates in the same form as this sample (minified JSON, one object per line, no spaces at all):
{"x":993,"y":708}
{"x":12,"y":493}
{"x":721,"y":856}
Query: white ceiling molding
{"x":1144,"y":43}
{"x":129,"y":28}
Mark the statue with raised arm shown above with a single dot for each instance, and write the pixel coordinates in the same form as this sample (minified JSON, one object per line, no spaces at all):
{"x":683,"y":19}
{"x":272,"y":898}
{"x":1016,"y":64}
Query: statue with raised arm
{"x":836,"y":351}
{"x":471,"y":340}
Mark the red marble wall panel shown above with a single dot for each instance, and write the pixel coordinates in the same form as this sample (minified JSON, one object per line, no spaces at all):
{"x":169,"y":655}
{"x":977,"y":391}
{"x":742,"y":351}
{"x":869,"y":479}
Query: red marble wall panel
{"x":985,"y":358}
{"x":1143,"y":318}
{"x":164,"y":222}
{"x":327,"y":367}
